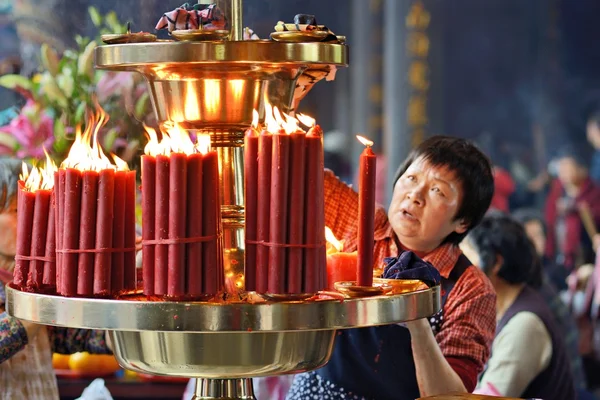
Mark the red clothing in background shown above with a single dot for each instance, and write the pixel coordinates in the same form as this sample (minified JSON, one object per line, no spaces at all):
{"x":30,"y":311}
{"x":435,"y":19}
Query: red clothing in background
{"x":504,"y":187}
{"x":573,"y":238}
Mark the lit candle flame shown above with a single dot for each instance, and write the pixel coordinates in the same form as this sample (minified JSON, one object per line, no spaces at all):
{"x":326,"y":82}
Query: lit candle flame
{"x":203,"y":144}
{"x":276,"y":121}
{"x":333,"y":242}
{"x":307,"y":121}
{"x":364,"y":141}
{"x":175,"y":139}
{"x":255,"y":119}
{"x":86,"y":154}
{"x":39,"y":178}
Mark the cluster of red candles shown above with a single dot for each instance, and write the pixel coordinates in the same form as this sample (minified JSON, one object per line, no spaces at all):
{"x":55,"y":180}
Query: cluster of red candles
{"x":95,"y":222}
{"x":35,"y":261}
{"x":180,"y":217}
{"x":285,"y":211}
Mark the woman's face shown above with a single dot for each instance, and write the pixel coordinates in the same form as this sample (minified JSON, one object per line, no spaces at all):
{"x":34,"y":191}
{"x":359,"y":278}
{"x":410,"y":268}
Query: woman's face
{"x":8,"y":238}
{"x":424,"y":204}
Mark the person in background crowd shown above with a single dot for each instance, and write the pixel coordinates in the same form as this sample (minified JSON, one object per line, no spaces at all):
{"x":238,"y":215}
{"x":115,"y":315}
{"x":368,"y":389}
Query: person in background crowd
{"x":533,"y":223}
{"x":535,"y":227}
{"x":441,"y":192}
{"x":593,"y":136}
{"x":26,"y":348}
{"x":504,"y":187}
{"x":567,"y":242}
{"x":529,"y":355}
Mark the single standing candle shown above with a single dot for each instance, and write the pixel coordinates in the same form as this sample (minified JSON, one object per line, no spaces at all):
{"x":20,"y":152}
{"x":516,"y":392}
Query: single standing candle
{"x":279,"y":211}
{"x":314,"y":233}
{"x":161,"y":230}
{"x":70,"y":227}
{"x":148,"y":217}
{"x":210,"y":222}
{"x":251,"y":201}
{"x":117,"y":274}
{"x":194,"y":225}
{"x":39,"y":232}
{"x":104,"y":227}
{"x":296,"y":212}
{"x":177,"y":224}
{"x":129,"y":242}
{"x":263,"y":212}
{"x":366,"y":214}
{"x":87,"y":234}
{"x":49,"y":278}
{"x":25,"y":209}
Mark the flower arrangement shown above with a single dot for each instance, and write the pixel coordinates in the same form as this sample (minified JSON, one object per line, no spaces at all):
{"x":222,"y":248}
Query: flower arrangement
{"x":66,"y":88}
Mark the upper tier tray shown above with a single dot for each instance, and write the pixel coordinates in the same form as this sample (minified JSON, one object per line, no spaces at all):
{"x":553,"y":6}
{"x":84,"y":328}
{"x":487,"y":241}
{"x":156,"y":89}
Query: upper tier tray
{"x":134,"y":56}
{"x":129,"y":315}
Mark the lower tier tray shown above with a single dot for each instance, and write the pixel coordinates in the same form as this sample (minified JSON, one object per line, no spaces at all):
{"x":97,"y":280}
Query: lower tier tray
{"x":222,"y":340}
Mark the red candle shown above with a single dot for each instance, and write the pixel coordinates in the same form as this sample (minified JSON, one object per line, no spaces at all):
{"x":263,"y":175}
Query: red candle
{"x":161,"y":227}
{"x":314,"y":265}
{"x":118,"y":233}
{"x":194,"y":225}
{"x":177,"y":224}
{"x":38,"y":243}
{"x":70,"y":227}
{"x":148,"y":215}
{"x":251,"y":202}
{"x":263,"y":211}
{"x":49,"y":278}
{"x":59,"y":216}
{"x":129,"y":242}
{"x":25,"y":208}
{"x":87,"y":236}
{"x":366,"y":214}
{"x":210,"y":221}
{"x":279,"y":211}
{"x":104,"y":227}
{"x":296,"y":212}
{"x":341,"y":267}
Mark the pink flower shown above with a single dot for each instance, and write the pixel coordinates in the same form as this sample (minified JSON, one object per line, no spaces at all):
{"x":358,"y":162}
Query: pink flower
{"x":33,"y":131}
{"x":114,"y":84}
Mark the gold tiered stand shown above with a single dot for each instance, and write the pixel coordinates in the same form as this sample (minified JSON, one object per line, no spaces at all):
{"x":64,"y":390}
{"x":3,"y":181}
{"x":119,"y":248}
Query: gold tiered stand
{"x":213,"y":87}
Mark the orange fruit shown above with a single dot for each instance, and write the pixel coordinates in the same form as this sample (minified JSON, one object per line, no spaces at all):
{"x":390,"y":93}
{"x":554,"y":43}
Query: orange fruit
{"x":82,"y":363}
{"x":94,"y":364}
{"x":109,"y":364}
{"x":60,"y":361}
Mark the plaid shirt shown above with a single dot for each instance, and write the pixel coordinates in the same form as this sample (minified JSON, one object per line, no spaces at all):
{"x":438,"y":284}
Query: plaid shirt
{"x":470,"y":310}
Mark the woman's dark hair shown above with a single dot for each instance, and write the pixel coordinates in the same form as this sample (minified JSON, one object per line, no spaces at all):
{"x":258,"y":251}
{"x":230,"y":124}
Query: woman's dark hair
{"x":501,"y":235}
{"x":10,"y":168}
{"x":471,"y":167}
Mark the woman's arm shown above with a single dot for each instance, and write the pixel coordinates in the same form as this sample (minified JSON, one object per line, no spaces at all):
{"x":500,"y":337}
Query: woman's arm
{"x":71,"y":340}
{"x":520,"y":352}
{"x":13,"y":336}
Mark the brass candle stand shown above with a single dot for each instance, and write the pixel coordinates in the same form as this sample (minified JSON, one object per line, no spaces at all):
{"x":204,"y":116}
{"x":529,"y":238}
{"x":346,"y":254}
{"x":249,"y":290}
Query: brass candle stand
{"x":213,"y":87}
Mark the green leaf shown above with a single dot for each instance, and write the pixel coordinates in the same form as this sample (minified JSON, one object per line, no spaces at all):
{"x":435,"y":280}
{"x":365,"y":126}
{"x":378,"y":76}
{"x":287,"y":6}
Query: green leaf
{"x":80,"y":113}
{"x":59,"y":129}
{"x":7,"y":140}
{"x":113,"y":22}
{"x":109,"y":139}
{"x":95,"y":16}
{"x":13,"y":81}
{"x":141,"y":106}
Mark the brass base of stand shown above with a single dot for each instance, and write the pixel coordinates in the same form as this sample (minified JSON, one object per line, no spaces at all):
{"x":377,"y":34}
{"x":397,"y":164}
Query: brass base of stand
{"x":238,"y":389}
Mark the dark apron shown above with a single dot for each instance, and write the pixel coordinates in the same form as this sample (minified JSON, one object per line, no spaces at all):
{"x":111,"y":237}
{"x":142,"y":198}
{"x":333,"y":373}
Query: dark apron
{"x":377,"y":363}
